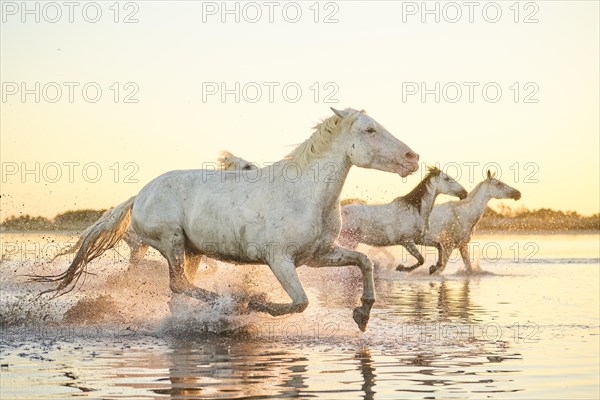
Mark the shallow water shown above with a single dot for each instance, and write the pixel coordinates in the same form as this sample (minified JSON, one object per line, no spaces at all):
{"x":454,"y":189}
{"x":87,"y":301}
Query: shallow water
{"x":527,"y":325}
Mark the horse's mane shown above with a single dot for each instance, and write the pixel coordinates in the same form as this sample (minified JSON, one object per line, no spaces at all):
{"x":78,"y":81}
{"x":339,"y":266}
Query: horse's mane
{"x":416,"y":195}
{"x":319,"y":141}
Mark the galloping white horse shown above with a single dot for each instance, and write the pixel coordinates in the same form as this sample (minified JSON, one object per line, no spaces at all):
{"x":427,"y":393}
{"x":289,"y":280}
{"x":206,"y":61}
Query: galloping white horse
{"x":284,"y":215}
{"x":401,"y":222}
{"x":452,"y":223}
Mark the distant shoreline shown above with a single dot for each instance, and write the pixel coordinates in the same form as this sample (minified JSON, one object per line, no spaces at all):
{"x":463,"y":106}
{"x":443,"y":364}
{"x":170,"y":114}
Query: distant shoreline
{"x":534,"y":232}
{"x":42,"y":231}
{"x":505,"y":221}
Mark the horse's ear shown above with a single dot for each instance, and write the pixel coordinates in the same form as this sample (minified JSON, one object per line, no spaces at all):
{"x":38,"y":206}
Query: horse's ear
{"x":340,"y":113}
{"x":489,"y":174}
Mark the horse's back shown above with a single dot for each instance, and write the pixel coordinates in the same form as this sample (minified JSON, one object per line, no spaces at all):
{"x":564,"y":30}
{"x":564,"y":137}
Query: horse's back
{"x":447,"y":223}
{"x":175,"y":197}
{"x":441,"y":220}
{"x":359,"y":216}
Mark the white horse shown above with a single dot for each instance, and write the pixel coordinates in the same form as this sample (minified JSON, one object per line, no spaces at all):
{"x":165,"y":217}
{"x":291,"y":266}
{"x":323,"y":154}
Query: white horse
{"x":452,"y":223}
{"x":284,"y":215}
{"x":137,"y":247}
{"x":401,"y":222}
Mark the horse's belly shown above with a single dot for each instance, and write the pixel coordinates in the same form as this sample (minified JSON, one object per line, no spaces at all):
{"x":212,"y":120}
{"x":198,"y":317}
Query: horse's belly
{"x":233,"y":252}
{"x":248,"y":237}
{"x":226,"y":238}
{"x":373,"y":236}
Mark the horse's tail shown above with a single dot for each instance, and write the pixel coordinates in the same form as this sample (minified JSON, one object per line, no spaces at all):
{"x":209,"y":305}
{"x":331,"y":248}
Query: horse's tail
{"x":98,"y":238}
{"x":228,"y":161}
{"x":72,"y":249}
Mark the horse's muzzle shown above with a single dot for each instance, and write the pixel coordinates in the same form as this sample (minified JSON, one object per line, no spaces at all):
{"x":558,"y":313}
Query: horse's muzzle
{"x":463,"y":195}
{"x":516,"y":195}
{"x":407,"y":168}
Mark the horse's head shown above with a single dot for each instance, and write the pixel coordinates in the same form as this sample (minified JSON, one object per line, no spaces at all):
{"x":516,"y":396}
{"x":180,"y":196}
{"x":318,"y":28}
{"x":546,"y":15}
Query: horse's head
{"x":500,"y":190}
{"x":370,"y":145}
{"x":445,"y":184}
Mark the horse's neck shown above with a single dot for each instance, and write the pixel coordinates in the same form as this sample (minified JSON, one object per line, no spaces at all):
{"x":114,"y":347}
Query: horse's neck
{"x":474,"y":206}
{"x":325,"y":177}
{"x":428,"y":200}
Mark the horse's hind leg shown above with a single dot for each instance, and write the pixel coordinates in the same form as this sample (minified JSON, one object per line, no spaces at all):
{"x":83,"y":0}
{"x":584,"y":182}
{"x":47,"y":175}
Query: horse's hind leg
{"x":340,"y":256}
{"x":137,"y":248}
{"x":414,"y":251}
{"x":444,"y":253}
{"x":173,"y":248}
{"x":138,"y":252}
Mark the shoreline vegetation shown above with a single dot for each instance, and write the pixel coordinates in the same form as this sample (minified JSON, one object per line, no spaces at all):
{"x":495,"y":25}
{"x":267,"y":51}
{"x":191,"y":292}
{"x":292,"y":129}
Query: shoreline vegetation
{"x":503,"y":219}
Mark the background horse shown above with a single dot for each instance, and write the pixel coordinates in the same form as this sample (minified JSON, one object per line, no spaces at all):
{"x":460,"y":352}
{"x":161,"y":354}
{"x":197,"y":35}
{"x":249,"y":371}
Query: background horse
{"x":452,"y":223}
{"x":401,"y":222}
{"x":285,"y":217}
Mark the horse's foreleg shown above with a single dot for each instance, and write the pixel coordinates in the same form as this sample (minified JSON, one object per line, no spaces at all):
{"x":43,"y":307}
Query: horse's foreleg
{"x":414,"y":251}
{"x":285,"y":272}
{"x":464,"y":253}
{"x":340,"y":256}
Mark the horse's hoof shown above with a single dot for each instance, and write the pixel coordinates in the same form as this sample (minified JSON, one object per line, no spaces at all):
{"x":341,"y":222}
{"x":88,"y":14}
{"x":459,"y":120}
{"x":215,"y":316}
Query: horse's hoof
{"x":361,"y":318}
{"x":258,"y":303}
{"x":433,"y":269}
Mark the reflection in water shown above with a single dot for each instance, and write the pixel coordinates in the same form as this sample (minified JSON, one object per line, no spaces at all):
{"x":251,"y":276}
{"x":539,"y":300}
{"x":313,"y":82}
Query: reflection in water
{"x":213,"y":368}
{"x":454,"y":302}
{"x":367,"y":371}
{"x":424,"y":301}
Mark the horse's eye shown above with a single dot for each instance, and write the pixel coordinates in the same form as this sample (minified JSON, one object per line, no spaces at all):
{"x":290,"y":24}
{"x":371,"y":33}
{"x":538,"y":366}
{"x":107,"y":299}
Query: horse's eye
{"x":370,"y":130}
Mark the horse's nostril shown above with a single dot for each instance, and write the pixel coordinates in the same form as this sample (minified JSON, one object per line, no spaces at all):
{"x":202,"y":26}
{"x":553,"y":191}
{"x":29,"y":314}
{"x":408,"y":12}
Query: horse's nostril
{"x":412,"y":156}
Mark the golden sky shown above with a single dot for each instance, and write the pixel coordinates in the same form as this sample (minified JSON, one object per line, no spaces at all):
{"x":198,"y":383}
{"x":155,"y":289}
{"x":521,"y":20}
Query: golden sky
{"x":161,"y":80}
